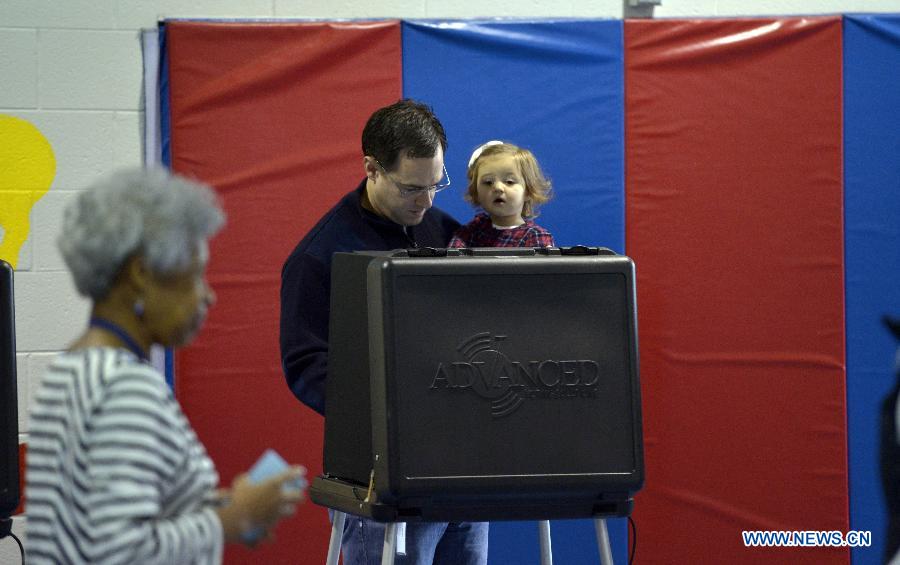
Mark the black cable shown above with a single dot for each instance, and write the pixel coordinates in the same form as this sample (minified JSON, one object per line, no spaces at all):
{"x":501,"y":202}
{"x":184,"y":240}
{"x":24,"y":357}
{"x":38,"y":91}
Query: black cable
{"x":633,"y":540}
{"x":6,"y":530}
{"x":18,"y":541}
{"x":13,"y":536}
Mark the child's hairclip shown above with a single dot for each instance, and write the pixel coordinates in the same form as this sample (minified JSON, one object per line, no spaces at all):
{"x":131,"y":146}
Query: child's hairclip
{"x":477,"y":153}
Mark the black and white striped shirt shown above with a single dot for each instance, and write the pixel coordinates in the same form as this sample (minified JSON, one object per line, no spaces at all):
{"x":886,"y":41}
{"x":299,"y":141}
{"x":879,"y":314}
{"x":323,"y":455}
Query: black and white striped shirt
{"x":115,"y":473}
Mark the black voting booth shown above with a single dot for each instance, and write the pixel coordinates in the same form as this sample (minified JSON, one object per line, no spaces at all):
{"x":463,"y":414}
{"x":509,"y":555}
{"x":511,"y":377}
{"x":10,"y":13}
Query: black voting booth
{"x":482,"y":384}
{"x":9,"y":430}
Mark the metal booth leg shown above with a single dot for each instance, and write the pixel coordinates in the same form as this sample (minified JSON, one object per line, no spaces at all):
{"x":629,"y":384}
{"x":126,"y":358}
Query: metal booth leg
{"x":603,"y":541}
{"x":546,"y":549}
{"x":390,"y":544}
{"x":334,"y":544}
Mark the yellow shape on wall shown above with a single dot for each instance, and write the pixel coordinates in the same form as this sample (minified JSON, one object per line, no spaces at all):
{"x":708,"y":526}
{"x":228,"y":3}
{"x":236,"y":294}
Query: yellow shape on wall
{"x":27,"y":168}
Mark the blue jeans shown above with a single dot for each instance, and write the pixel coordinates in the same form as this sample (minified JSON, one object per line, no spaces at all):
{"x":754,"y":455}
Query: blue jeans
{"x":427,"y":543}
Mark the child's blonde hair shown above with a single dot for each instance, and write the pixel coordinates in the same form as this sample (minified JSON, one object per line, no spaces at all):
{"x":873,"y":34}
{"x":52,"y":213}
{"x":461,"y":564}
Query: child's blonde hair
{"x":537,"y":186}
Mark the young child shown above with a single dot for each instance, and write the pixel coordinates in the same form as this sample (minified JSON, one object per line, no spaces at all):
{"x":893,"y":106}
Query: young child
{"x":506,"y":182}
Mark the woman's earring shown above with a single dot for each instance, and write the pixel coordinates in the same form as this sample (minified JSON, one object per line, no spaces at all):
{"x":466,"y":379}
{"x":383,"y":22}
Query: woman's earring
{"x":139,"y":308}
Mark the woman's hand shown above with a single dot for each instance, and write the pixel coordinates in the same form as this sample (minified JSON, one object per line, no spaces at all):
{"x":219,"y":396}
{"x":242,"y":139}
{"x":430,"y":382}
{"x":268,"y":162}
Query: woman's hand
{"x":262,"y":505}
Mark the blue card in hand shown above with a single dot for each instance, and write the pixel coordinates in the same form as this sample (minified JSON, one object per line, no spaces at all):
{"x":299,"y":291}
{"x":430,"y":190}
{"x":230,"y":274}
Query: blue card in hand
{"x":267,"y":466}
{"x":270,"y":464}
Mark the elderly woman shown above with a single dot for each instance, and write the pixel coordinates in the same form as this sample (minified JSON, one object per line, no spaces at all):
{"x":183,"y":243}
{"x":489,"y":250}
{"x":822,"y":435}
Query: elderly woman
{"x":115,"y":472}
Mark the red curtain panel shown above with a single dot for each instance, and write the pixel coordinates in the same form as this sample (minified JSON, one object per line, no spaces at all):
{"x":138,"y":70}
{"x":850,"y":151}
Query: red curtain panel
{"x":270,"y":115}
{"x":734,"y":220}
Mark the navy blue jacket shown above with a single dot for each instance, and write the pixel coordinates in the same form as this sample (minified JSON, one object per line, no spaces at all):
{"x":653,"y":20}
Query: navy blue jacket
{"x":889,"y":456}
{"x":306,"y":283}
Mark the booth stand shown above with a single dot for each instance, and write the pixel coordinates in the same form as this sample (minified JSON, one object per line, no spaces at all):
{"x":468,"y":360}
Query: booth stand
{"x":342,"y":498}
{"x":479,"y":385}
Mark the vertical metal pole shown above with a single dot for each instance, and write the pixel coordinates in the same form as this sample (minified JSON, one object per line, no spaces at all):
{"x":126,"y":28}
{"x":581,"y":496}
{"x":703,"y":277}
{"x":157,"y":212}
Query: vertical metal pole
{"x":334,"y":544}
{"x":603,"y":541}
{"x":390,"y":544}
{"x":546,"y":549}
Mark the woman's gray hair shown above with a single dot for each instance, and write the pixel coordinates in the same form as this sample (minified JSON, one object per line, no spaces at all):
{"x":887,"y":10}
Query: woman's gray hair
{"x":162,"y":216}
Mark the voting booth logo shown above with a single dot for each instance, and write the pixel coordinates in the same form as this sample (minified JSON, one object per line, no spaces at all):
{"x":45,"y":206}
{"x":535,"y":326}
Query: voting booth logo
{"x":489,"y":373}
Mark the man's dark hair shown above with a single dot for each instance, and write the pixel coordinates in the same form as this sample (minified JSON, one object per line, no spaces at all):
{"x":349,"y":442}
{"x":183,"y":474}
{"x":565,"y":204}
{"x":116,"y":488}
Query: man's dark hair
{"x":405,"y":125}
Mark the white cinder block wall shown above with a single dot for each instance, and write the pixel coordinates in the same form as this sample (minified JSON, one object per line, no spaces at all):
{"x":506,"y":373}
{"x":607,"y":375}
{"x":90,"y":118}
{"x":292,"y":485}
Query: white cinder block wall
{"x":72,"y":69}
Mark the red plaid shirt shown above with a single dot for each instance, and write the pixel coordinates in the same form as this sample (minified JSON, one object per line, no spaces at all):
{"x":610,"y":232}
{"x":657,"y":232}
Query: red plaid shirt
{"x":480,"y":232}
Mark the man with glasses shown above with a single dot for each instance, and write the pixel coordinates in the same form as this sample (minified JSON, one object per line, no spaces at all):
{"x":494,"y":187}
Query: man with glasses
{"x":403,"y":158}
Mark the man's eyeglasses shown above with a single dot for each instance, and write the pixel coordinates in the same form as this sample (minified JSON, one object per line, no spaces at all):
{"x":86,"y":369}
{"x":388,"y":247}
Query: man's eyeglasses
{"x":407,"y":191}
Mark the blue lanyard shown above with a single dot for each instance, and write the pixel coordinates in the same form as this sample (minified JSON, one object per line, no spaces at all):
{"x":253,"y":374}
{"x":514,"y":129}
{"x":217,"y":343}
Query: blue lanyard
{"x":120,"y":333}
